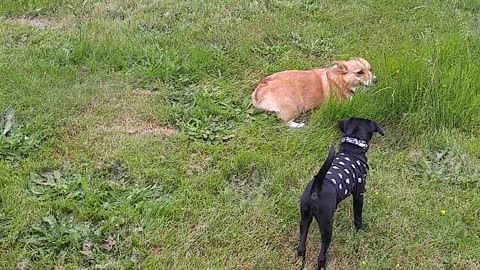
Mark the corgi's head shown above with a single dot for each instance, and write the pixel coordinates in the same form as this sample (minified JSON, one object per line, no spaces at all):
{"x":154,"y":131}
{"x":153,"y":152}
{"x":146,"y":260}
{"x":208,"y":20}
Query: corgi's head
{"x":354,"y":73}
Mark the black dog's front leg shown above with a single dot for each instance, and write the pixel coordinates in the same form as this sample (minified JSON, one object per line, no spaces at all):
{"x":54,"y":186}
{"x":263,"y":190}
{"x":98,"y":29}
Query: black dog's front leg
{"x":357,"y":210}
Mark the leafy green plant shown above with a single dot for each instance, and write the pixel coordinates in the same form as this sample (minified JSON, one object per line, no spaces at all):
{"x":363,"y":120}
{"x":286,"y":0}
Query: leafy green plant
{"x":17,"y":141}
{"x":114,"y":171}
{"x":75,"y":225}
{"x":450,"y":166}
{"x":211,"y":116}
{"x":248,"y":182}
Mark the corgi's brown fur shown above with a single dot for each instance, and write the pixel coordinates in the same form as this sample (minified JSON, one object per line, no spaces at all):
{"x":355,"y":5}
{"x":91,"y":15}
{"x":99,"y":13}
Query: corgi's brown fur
{"x":293,"y":92}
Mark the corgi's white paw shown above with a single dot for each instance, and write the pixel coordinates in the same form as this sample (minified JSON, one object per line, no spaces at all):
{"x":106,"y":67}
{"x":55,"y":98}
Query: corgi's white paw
{"x":293,"y":124}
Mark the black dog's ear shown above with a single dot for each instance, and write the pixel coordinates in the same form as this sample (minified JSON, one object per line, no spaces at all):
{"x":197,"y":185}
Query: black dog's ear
{"x":378,"y":128}
{"x":341,"y":125}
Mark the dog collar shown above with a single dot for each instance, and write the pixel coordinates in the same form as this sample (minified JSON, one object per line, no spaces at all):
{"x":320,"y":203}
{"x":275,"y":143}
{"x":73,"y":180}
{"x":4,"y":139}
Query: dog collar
{"x":360,"y":143}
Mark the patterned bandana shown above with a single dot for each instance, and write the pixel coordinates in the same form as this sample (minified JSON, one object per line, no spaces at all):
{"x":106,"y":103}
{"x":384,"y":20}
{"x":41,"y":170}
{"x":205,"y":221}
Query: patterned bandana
{"x":360,"y":143}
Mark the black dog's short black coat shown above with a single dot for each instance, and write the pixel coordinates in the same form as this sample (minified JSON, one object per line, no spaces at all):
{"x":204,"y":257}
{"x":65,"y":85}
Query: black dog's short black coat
{"x":320,"y":198}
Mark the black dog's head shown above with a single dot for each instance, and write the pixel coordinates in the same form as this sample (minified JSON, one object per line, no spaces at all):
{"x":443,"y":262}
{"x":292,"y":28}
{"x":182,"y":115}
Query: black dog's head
{"x":359,"y":128}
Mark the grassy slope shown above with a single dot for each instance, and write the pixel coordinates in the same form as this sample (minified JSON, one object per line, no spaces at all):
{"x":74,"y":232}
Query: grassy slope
{"x":103,"y":72}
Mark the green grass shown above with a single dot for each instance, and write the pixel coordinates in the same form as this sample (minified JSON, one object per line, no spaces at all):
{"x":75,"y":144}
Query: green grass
{"x":135,"y":144}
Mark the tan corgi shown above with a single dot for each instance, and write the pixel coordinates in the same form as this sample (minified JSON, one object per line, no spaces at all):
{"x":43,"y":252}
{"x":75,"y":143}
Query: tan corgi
{"x":293,"y":92}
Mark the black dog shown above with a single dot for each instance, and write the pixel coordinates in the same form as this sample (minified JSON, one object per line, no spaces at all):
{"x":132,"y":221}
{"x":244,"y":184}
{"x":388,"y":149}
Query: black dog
{"x":346,"y":173}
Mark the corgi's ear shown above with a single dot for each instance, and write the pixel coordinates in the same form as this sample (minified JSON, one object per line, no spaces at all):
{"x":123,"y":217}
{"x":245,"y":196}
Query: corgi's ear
{"x":341,"y":67}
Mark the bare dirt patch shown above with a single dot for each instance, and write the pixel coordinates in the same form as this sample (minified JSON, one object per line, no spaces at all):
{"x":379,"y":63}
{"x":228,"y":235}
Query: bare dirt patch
{"x":132,"y":114}
{"x":135,"y":126}
{"x":152,"y":129}
{"x":38,"y":23}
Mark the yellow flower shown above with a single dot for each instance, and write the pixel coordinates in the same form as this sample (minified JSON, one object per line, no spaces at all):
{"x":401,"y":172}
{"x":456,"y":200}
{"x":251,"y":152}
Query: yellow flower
{"x":376,"y":193}
{"x":443,"y":212}
{"x":398,"y":265}
{"x":364,"y":263}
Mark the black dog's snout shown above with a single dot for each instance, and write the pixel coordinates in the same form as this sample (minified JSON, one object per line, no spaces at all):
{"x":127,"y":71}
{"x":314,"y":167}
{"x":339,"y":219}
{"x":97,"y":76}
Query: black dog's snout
{"x":375,"y":80}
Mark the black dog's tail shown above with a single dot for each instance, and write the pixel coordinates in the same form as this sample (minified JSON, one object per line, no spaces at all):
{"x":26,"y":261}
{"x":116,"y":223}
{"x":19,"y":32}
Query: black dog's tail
{"x":318,"y":179}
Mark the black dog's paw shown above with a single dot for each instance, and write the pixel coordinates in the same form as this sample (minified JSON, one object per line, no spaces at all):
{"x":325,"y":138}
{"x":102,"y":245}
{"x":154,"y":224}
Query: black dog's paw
{"x":321,"y":265}
{"x":363,"y":227}
{"x":301,"y":252}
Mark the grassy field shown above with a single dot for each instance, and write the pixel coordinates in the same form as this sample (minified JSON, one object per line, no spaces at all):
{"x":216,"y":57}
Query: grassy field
{"x":135,"y":145}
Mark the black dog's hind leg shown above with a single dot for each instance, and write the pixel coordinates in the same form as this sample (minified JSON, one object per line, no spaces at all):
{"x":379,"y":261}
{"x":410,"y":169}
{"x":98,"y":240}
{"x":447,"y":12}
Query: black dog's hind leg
{"x":357,"y":210}
{"x":326,"y":228}
{"x":305,"y":222}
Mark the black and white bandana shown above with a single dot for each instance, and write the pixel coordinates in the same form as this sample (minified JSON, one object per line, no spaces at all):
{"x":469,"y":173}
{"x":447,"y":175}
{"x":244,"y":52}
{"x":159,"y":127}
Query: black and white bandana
{"x":348,"y":174}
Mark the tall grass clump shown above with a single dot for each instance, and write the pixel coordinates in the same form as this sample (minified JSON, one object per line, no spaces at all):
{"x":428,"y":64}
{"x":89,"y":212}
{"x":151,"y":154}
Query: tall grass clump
{"x":424,"y":88}
{"x":435,"y":86}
